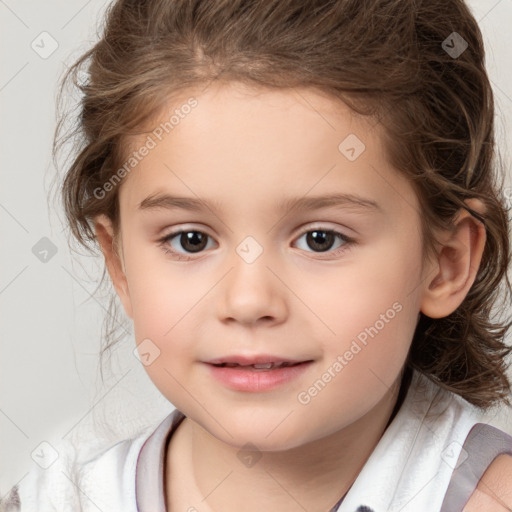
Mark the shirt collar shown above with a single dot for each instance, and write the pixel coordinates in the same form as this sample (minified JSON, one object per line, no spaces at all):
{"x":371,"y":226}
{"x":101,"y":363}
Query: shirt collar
{"x":150,"y":470}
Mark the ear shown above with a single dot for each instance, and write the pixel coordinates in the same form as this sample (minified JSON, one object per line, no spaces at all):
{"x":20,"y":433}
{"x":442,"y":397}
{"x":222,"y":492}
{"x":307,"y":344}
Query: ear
{"x":112,"y":252}
{"x":456,"y":264}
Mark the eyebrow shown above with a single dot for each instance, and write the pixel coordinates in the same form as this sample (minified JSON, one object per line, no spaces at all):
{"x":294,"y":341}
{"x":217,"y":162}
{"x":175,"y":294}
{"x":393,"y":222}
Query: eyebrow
{"x":292,"y":204}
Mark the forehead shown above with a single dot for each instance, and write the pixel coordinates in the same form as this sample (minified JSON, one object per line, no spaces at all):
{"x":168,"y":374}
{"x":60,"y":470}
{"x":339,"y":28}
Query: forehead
{"x":242,"y":145}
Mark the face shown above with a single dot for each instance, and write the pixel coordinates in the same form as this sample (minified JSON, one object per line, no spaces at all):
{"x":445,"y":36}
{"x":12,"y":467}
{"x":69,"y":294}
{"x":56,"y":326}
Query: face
{"x":251,"y":265}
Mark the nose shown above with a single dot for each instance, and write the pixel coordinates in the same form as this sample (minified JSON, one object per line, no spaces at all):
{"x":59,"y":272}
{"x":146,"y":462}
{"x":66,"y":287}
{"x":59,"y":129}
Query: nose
{"x":251,"y":294}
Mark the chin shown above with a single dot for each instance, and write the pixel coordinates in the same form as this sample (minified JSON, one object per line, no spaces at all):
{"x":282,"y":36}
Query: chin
{"x":263,"y":435}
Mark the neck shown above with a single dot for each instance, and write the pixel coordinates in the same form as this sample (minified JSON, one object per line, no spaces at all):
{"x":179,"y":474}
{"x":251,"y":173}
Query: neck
{"x":310,"y":477}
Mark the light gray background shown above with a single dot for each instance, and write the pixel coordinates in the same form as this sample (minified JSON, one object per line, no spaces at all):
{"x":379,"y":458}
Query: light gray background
{"x":51,"y":322}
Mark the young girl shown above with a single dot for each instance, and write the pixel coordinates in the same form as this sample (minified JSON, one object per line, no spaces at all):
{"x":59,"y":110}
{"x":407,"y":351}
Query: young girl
{"x":298,"y":208}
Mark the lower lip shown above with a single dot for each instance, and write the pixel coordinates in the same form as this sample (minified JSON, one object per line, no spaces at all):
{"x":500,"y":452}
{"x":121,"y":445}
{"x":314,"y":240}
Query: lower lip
{"x":255,"y":381}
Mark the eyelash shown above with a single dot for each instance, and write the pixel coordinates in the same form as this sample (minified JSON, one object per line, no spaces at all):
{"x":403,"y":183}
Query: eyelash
{"x":348,"y":242}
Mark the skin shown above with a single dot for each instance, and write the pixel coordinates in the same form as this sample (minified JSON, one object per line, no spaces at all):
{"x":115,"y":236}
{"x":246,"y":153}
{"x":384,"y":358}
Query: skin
{"x":494,"y":490}
{"x":246,"y":149}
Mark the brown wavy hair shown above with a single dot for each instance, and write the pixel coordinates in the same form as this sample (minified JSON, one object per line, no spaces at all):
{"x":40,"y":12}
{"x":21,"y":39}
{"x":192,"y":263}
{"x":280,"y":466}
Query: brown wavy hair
{"x":386,"y":59}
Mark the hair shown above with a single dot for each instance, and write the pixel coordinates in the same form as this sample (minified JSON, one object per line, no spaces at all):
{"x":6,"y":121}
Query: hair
{"x":386,"y":60}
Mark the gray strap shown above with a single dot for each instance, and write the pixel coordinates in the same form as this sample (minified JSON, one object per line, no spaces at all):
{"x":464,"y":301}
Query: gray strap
{"x":150,"y":471}
{"x":483,"y":444}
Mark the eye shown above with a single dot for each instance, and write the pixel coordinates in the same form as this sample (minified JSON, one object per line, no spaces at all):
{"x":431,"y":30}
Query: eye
{"x":322,"y":240}
{"x":192,"y":241}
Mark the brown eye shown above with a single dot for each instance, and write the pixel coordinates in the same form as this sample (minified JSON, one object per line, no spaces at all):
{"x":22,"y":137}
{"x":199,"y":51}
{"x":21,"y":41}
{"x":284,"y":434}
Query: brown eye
{"x":193,"y":241}
{"x":324,"y":240}
{"x":320,"y":240}
{"x":189,"y":241}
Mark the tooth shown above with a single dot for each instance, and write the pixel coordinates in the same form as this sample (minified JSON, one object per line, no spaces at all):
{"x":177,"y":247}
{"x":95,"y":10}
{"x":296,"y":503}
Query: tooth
{"x":259,"y":366}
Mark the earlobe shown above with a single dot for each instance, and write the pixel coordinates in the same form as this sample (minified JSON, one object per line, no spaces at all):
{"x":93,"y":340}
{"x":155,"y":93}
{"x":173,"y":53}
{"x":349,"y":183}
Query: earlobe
{"x":457,"y":261}
{"x":113,"y":259}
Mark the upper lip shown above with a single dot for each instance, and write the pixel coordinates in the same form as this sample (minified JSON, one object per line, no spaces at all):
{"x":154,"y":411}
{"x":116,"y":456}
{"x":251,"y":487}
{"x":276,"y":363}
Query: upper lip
{"x":255,"y":359}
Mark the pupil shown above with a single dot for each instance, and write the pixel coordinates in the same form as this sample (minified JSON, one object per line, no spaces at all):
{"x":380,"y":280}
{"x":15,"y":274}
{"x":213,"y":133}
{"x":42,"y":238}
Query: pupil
{"x":318,"y":240}
{"x":193,"y":241}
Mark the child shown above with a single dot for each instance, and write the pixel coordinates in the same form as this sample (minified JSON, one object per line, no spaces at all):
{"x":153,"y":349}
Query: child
{"x":298,"y":208}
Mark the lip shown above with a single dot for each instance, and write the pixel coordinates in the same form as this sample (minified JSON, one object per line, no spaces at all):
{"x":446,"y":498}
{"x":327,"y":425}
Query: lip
{"x":256,"y":381}
{"x":246,"y":360}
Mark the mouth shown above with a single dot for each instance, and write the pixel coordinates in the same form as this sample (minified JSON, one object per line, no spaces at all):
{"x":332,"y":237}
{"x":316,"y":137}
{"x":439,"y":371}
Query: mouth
{"x":257,"y":374}
{"x":255,"y":362}
{"x":259,"y":367}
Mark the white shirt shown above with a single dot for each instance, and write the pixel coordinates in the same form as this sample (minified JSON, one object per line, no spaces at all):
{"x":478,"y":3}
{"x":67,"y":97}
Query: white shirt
{"x":408,"y":471}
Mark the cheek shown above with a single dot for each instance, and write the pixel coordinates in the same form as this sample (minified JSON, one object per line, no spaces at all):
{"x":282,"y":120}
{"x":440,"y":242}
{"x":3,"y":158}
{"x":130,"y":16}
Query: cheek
{"x":373,"y":311}
{"x":161,"y":294}
{"x":372,"y":305}
{"x":162,"y":306}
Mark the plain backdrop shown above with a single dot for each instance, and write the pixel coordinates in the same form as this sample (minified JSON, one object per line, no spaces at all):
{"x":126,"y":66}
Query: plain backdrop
{"x":51,"y":318}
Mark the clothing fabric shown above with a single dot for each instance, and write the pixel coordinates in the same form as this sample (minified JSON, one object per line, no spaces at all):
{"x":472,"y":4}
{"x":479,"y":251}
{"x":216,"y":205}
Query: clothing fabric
{"x":434,"y":451}
{"x":412,"y":467}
